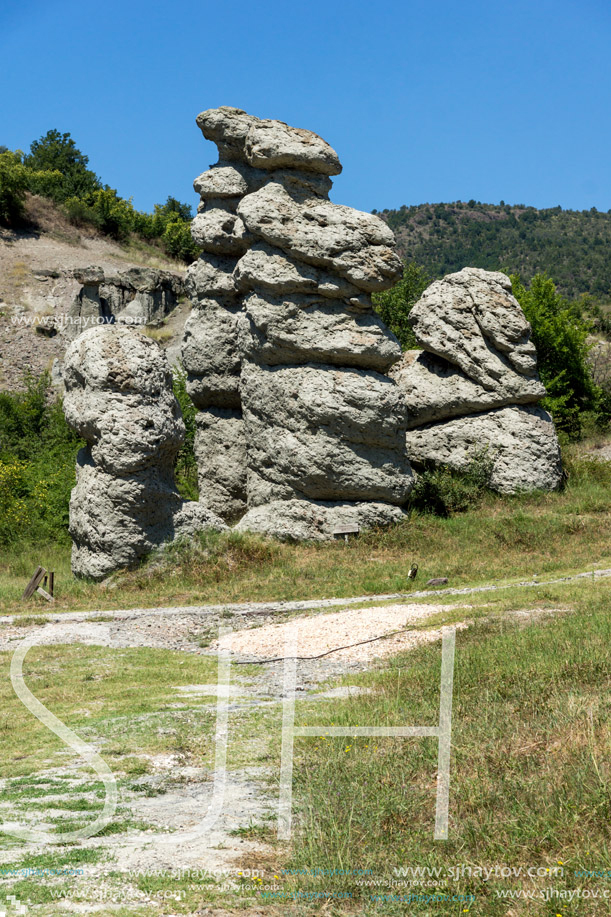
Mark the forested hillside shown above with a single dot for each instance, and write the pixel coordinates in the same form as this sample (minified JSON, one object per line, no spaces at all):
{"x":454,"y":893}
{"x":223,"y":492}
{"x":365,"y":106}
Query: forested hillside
{"x":571,"y":246}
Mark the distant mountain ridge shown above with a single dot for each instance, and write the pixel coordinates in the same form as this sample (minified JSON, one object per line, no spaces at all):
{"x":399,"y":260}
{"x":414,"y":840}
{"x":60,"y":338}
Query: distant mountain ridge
{"x":572,"y":246}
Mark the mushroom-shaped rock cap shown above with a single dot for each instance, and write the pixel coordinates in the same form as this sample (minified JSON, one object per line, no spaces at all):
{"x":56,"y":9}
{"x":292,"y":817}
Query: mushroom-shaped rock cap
{"x":113,"y":358}
{"x":227,"y":127}
{"x":267,"y":144}
{"x":119,"y":398}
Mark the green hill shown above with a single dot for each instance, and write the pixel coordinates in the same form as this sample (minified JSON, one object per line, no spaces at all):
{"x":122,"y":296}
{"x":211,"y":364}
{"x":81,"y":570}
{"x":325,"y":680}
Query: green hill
{"x":572,"y":246}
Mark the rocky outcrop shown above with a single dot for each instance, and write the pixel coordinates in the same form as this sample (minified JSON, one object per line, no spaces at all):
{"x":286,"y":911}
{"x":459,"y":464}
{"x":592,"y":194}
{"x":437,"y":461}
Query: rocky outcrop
{"x":314,"y":520}
{"x":210,"y":351}
{"x":474,"y":387}
{"x":137,"y":296}
{"x":435,"y":389}
{"x":119,"y":400}
{"x":286,"y":359}
{"x":520,"y":440}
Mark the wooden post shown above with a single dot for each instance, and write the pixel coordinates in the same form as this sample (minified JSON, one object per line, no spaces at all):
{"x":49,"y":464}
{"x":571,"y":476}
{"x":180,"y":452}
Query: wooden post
{"x":37,"y":584}
{"x":34,"y":583}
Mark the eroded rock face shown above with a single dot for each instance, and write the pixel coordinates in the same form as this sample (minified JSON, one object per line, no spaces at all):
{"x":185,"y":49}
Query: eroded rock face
{"x":137,"y":296}
{"x":435,"y":389}
{"x":310,"y":520}
{"x":520,"y":441}
{"x":474,"y":387}
{"x":119,"y":400}
{"x":286,"y":358}
{"x":220,"y":452}
{"x":471,"y":319}
{"x":310,"y":329}
{"x":323,"y":433}
{"x":356,"y":246}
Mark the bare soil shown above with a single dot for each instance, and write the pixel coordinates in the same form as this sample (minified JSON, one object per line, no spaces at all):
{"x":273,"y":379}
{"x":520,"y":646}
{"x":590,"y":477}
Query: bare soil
{"x":36,"y":279}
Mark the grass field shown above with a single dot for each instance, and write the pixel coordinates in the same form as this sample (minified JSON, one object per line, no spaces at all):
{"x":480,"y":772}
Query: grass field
{"x":503,"y":539}
{"x":530,"y":781}
{"x":531,"y":731}
{"x":530,"y":769}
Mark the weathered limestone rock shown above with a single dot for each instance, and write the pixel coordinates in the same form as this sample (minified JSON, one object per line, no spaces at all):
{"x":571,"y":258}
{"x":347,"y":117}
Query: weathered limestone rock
{"x":270,"y":269}
{"x":137,"y":296}
{"x":472,"y":320}
{"x":521,"y":441}
{"x":119,"y":400}
{"x":210,"y":351}
{"x":282,"y":303}
{"x":323,"y":433}
{"x":266,"y":144}
{"x":308,"y":329}
{"x":435,"y":389}
{"x":220,"y":452}
{"x":465,"y":391}
{"x":211,"y":342}
{"x":310,"y":520}
{"x":357,"y":246}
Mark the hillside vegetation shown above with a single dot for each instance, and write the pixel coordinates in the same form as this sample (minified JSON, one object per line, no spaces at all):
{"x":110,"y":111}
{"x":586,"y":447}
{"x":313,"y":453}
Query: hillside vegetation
{"x":569,"y":245}
{"x":55,"y":169}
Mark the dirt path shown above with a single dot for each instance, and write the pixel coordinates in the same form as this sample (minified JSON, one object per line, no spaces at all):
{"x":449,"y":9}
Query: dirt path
{"x":180,"y":794}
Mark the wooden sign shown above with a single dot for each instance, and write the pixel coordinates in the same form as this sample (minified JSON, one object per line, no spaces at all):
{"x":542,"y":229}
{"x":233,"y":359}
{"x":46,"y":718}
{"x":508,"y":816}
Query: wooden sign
{"x":346,"y":530}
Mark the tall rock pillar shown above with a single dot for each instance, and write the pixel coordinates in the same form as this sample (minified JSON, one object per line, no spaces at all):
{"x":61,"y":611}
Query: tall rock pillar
{"x":289,"y":340}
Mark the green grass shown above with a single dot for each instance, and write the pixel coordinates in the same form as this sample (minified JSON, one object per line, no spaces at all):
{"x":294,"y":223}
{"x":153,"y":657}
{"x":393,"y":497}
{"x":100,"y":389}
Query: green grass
{"x":124,"y":696}
{"x":505,"y":539}
{"x":529,"y":774}
{"x":125,"y":701}
{"x":531,"y":734}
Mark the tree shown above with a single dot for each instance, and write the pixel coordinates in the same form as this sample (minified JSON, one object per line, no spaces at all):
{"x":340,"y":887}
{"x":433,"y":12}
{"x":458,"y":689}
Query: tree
{"x":58,"y":152}
{"x":174,"y":208}
{"x":393,"y":306}
{"x":560,"y":337}
{"x":13,"y":185}
{"x":177,"y":241}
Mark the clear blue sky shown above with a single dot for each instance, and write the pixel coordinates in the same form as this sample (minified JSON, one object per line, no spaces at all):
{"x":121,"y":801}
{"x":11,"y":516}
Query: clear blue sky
{"x":424,"y":100}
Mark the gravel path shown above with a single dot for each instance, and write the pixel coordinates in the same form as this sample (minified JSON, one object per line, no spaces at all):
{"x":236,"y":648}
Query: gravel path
{"x":182,"y":793}
{"x":355,"y":630}
{"x":235,"y":611}
{"x":258,"y":633}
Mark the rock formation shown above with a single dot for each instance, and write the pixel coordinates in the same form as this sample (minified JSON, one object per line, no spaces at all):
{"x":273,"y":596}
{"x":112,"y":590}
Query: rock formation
{"x":137,"y":296}
{"x":475,"y":386}
{"x":119,"y":400}
{"x":300,"y":423}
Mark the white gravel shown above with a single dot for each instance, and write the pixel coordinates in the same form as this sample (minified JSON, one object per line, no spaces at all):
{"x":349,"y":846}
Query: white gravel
{"x":317,"y":634}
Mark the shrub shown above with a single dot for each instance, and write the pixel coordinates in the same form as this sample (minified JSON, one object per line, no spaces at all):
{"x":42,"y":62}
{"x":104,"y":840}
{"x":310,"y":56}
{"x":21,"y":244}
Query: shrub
{"x":560,"y":336}
{"x":13,"y":186}
{"x":442,"y":491}
{"x":178,"y":243}
{"x":22,"y":417}
{"x":80,"y":213}
{"x":37,"y":463}
{"x":186,"y":466}
{"x":113,"y":215}
{"x":14,"y":514}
